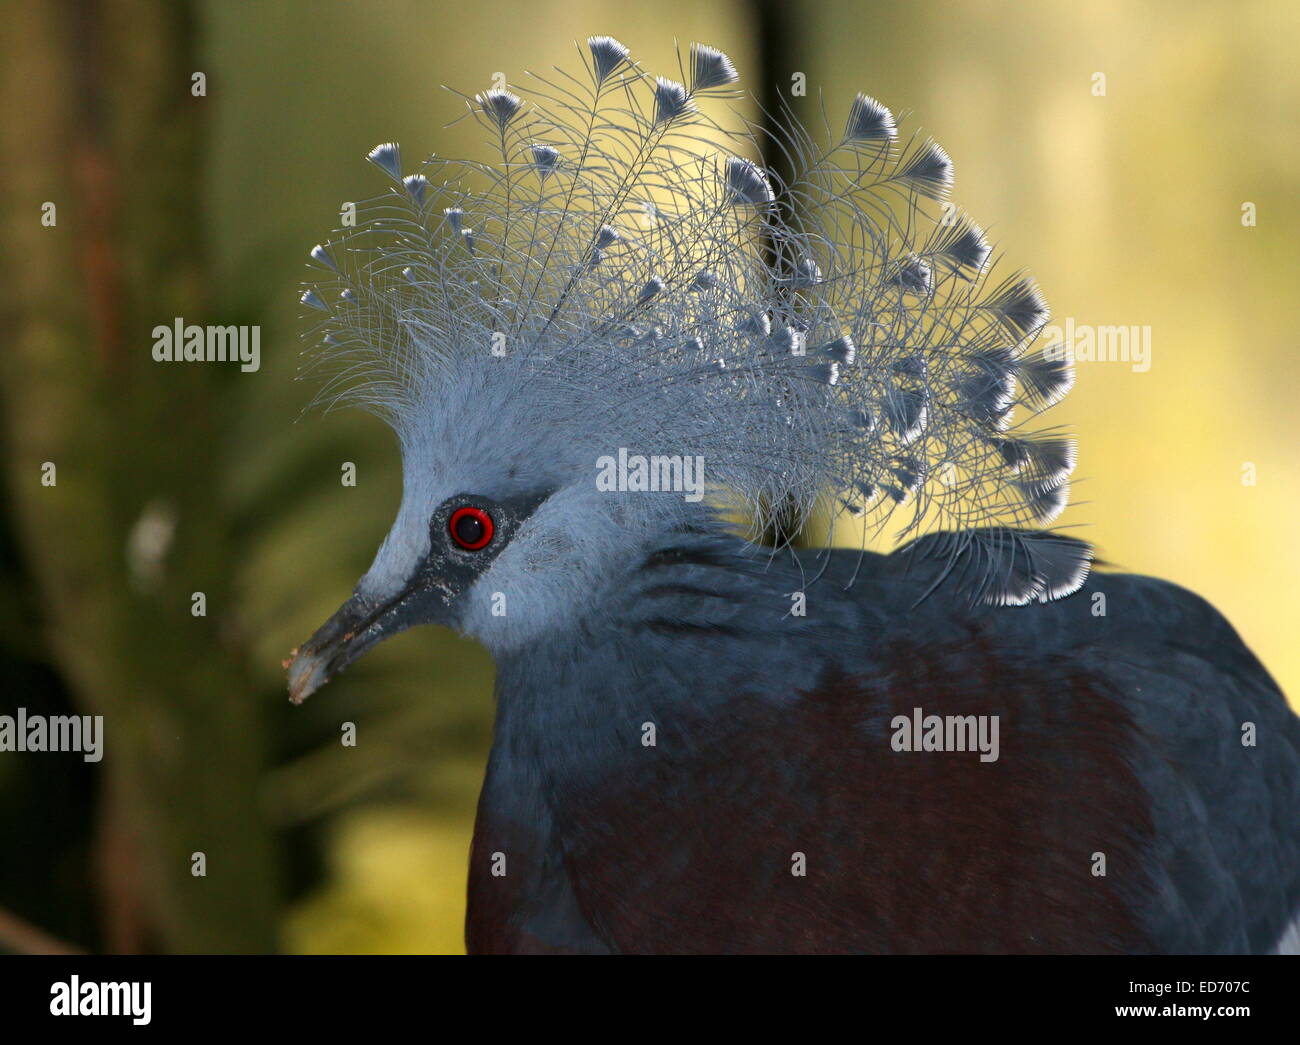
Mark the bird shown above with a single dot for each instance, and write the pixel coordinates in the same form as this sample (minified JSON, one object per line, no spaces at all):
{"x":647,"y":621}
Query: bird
{"x":620,"y":350}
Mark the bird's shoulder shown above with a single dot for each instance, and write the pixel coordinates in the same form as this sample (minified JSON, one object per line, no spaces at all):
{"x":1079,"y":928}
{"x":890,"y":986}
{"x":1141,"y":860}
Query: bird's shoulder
{"x":1121,"y":709}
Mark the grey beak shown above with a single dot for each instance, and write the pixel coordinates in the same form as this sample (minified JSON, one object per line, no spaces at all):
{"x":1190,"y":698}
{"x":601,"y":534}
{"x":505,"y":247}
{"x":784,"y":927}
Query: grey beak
{"x":357,"y":625}
{"x":352,"y":630}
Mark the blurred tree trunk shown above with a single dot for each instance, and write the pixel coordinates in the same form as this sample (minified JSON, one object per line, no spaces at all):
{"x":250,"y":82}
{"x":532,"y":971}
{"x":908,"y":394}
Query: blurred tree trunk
{"x":777,"y":25}
{"x":100,"y":120}
{"x":780,"y":55}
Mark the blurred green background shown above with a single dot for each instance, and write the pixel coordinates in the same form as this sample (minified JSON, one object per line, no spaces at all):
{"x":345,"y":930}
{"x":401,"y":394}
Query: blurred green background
{"x":1126,"y":204}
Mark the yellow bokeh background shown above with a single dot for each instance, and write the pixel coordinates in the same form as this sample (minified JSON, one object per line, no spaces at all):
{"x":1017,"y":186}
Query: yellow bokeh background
{"x":1113,"y":148}
{"x":1127,"y":205}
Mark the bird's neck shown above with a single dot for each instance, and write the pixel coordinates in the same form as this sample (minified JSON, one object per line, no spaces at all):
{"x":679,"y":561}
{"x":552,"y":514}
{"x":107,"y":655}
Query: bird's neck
{"x":698,"y":619}
{"x":699,"y":636}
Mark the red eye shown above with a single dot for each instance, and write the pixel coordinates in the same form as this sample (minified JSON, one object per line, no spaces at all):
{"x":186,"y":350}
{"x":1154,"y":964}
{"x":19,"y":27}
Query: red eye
{"x":471,"y":528}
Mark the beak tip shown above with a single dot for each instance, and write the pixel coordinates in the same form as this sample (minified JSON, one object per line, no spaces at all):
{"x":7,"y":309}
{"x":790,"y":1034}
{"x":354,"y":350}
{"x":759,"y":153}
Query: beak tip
{"x":306,"y":674}
{"x":353,"y":629}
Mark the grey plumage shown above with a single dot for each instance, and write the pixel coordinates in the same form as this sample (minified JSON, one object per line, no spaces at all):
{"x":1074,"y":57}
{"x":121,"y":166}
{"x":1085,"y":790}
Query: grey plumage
{"x":625,"y":277}
{"x":611,"y":249}
{"x":1213,"y":871}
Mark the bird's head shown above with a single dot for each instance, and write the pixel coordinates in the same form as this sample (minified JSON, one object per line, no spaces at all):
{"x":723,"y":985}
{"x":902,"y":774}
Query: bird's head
{"x":506,"y":530}
{"x":621,"y":310}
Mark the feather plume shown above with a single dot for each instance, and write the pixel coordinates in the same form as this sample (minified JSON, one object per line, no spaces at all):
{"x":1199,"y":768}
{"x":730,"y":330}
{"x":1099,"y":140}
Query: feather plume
{"x":654,"y":286}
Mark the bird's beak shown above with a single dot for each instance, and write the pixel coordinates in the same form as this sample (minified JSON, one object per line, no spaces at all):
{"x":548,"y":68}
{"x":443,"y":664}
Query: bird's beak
{"x":335,"y":645}
{"x":356,"y":626}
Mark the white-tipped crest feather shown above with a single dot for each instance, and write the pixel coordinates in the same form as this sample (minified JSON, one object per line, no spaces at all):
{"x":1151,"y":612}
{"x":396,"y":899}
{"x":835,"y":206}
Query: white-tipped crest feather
{"x":653,"y":290}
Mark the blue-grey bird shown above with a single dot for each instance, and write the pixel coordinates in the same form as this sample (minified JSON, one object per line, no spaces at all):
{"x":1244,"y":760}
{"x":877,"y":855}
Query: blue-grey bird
{"x":614,"y":351}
